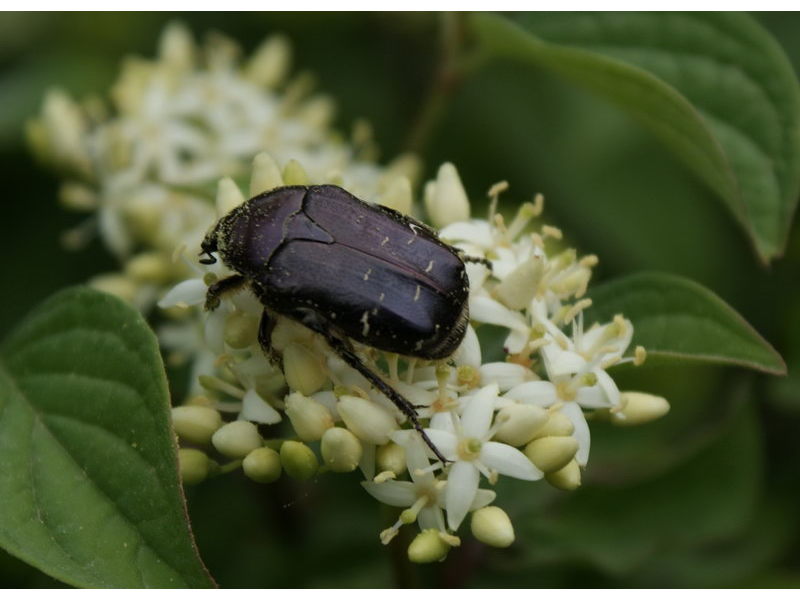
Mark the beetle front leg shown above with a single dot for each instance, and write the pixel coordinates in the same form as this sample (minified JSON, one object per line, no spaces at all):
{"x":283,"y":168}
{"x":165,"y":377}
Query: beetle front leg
{"x":222,"y":287}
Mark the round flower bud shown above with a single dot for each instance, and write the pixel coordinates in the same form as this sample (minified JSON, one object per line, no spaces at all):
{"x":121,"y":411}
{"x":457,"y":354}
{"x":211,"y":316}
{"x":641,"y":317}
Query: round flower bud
{"x":262,"y":465}
{"x":303,"y":369}
{"x":558,"y":424}
{"x":368,"y":421}
{"x":341,"y":450}
{"x":427,"y":547}
{"x":237,"y":439}
{"x":309,"y":418}
{"x":391,"y":457}
{"x":567,"y":478}
{"x":298,"y":460}
{"x":639,"y":408}
{"x":492,"y":526}
{"x":520,"y":422}
{"x":195,"y":424}
{"x":551,"y":453}
{"x":194,"y":465}
{"x":241,"y":329}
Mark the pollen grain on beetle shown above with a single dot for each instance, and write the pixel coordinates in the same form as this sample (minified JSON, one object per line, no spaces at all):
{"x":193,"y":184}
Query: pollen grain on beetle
{"x":182,"y":143}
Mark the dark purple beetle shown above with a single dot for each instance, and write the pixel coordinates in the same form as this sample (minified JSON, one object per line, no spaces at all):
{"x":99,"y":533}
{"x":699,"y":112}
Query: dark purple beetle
{"x":347,"y":270}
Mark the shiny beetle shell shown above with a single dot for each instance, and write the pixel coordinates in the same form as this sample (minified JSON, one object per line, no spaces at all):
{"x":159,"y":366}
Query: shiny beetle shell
{"x":323,"y":257}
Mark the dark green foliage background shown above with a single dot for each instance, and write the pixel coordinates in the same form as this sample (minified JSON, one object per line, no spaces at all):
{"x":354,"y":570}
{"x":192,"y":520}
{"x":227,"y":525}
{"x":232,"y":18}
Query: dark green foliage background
{"x":708,"y":496}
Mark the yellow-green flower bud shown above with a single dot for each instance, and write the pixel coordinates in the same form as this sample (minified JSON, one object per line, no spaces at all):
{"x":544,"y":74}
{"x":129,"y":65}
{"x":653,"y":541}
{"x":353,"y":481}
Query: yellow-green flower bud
{"x":427,"y":547}
{"x":520,"y":286}
{"x":558,"y":424}
{"x":294,"y":174}
{"x":265,"y":176}
{"x":195,"y":424}
{"x":241,"y":329}
{"x":520,"y":422}
{"x":229,"y":196}
{"x":391,"y":457}
{"x":237,"y":439}
{"x":492,"y":526}
{"x":270,"y":62}
{"x":567,"y":478}
{"x":551,"y":453}
{"x":368,"y":421}
{"x":445,"y":199}
{"x":341,"y":450}
{"x":298,"y":460}
{"x":639,"y":408}
{"x":287,"y":331}
{"x":115,"y":284}
{"x":262,"y":465}
{"x":303,"y":369}
{"x":309,"y":418}
{"x":397,"y":194}
{"x":194,"y":465}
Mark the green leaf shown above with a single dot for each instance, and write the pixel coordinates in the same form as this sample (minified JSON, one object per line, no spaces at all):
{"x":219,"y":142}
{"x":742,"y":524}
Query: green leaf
{"x":90,"y":487}
{"x":709,"y":498}
{"x":714,"y":87}
{"x":676,"y":319}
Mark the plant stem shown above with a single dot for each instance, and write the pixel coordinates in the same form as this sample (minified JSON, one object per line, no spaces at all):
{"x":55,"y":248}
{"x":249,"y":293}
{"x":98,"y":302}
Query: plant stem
{"x":446,"y":79}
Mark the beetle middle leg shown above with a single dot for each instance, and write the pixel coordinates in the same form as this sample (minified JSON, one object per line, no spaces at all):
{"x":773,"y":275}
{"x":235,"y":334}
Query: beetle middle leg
{"x":265,"y":327}
{"x":478,"y":259}
{"x":222,"y":287}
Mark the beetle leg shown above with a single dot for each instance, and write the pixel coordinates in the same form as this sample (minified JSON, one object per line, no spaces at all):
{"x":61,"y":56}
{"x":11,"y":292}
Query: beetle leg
{"x":222,"y":287}
{"x":478,"y":259}
{"x":342,"y":349}
{"x":265,"y":327}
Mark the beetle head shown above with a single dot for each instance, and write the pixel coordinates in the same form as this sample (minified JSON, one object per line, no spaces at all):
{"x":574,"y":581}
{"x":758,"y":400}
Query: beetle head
{"x":208,"y":246}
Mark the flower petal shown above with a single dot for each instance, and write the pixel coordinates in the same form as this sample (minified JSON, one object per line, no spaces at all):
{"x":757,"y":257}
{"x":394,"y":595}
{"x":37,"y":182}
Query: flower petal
{"x":487,"y":310}
{"x":462,"y":485}
{"x":430,"y":517}
{"x":509,"y":461}
{"x":255,"y":409}
{"x":581,"y":433}
{"x":443,"y":421}
{"x":189,"y":292}
{"x":505,"y":374}
{"x":469,"y":352}
{"x":477,"y":232}
{"x":558,"y":362}
{"x":477,"y":417}
{"x":609,"y":387}
{"x":393,"y":493}
{"x":539,"y":393}
{"x":446,"y":442}
{"x":483,"y":498}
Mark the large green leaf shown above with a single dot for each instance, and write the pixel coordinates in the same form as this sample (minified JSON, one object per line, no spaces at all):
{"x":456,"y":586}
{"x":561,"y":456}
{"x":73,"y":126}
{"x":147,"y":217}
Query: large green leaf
{"x":677,"y":319}
{"x":89,"y":480}
{"x":715,"y":88}
{"x":709,"y":499}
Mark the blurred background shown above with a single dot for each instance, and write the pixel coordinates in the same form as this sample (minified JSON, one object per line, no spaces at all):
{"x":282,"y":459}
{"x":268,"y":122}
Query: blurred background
{"x":707,"y":496}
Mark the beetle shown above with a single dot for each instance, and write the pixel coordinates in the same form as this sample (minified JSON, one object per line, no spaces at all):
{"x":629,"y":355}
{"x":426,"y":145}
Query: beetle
{"x":348,"y":270}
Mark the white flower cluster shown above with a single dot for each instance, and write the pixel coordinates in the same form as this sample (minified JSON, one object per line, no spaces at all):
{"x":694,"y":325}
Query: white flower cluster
{"x":525,"y":417}
{"x":146,"y":165}
{"x":174,"y":158}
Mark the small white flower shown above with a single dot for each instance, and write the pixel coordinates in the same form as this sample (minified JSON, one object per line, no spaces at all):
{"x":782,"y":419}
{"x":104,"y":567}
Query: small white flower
{"x":473,"y":454}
